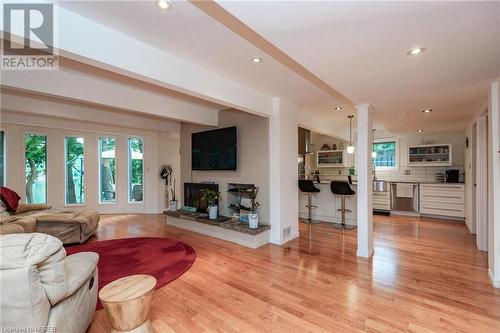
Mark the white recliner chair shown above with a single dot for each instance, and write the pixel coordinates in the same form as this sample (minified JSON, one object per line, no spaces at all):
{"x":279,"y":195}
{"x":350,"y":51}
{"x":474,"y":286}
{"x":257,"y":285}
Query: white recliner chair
{"x":42,"y":290}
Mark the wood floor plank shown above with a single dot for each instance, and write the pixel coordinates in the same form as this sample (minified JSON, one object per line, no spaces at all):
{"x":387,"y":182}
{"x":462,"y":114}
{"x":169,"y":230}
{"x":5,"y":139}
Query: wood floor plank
{"x":426,"y":276}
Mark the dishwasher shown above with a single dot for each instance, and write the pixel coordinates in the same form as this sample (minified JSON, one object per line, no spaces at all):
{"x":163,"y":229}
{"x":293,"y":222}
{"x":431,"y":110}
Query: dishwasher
{"x":404,"y":198}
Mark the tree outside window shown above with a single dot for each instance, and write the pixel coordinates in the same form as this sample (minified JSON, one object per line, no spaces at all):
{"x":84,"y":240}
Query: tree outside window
{"x":107,"y":165}
{"x":35,"y":150}
{"x":135,"y":146}
{"x":385,"y":154}
{"x":75,"y":173}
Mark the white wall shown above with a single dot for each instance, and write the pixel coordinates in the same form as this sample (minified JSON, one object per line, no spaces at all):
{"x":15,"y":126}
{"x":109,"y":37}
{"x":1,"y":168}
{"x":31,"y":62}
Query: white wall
{"x":158,"y":148}
{"x":252,"y":163}
{"x":494,"y":184}
{"x":283,"y":150}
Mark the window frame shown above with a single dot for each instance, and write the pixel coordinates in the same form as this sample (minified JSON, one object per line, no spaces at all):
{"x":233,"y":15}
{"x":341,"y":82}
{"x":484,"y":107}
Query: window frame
{"x":47,"y":180}
{"x":100,"y":202}
{"x":396,"y":153}
{"x":5,"y":157}
{"x":129,"y":169}
{"x":64,"y":136}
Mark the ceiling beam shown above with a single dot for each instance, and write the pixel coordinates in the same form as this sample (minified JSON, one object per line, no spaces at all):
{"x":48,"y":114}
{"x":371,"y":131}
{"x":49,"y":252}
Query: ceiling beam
{"x":72,"y":85}
{"x":89,"y":42}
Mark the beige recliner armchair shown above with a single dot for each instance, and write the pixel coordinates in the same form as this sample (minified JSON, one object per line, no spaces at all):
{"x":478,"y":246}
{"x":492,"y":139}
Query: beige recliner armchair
{"x":41,"y":287}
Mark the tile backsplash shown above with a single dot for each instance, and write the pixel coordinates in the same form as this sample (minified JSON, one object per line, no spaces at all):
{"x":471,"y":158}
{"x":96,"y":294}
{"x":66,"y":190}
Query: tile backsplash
{"x":416,"y":174}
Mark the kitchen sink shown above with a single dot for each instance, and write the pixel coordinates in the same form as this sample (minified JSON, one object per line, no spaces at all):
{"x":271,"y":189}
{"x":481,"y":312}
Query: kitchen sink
{"x":380,"y":186}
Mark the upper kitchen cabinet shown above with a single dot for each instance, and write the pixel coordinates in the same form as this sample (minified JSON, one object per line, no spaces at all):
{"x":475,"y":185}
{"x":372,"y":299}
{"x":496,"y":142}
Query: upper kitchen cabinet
{"x":430,"y":155}
{"x":331,"y":159}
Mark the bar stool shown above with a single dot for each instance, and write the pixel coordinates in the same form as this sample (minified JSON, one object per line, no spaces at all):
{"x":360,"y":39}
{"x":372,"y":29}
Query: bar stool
{"x":342,"y":189}
{"x":307,"y":186}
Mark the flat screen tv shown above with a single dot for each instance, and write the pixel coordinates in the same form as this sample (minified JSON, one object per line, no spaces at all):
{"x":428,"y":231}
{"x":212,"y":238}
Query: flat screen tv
{"x":214,"y":149}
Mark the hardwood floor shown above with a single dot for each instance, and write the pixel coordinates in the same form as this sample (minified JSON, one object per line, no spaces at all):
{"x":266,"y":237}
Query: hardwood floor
{"x":425,"y":276}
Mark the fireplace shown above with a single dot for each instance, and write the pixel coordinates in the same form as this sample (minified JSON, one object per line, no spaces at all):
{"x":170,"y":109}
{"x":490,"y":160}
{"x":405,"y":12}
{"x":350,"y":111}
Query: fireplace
{"x":192,"y":195}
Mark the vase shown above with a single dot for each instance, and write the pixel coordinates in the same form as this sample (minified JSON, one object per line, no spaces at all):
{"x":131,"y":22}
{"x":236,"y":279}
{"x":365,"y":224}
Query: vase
{"x":173,"y":205}
{"x":212,"y":212}
{"x":253,"y":221}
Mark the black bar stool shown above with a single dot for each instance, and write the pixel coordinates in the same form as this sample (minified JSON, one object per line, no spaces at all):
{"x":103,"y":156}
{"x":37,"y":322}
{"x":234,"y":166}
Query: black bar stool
{"x":342,"y":189}
{"x":307,"y":186}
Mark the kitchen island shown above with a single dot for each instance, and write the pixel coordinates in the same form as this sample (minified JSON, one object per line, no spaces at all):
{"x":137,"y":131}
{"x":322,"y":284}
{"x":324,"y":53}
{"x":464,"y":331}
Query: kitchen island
{"x":329,"y":205}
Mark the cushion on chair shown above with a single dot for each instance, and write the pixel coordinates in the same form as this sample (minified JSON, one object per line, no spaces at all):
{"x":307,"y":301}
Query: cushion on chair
{"x":9,"y":198}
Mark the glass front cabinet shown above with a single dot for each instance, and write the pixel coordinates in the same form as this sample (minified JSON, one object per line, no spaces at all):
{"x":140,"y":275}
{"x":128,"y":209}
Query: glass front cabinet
{"x":331,"y":159}
{"x":430,"y":155}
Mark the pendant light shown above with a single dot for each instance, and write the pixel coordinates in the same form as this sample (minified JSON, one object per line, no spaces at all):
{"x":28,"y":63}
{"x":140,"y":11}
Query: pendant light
{"x":350,"y":148}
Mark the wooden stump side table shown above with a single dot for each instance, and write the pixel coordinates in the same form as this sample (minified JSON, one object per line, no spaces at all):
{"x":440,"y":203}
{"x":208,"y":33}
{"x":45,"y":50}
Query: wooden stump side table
{"x":127,"y":302}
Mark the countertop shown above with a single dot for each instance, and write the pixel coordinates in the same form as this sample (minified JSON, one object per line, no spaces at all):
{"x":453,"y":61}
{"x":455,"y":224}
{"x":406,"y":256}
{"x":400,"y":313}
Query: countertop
{"x":324,"y":182}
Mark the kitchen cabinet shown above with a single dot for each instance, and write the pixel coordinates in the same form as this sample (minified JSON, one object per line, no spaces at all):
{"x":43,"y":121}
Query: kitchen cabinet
{"x":331,"y":159}
{"x":382,"y":201}
{"x":445,"y":200}
{"x":430,"y":155}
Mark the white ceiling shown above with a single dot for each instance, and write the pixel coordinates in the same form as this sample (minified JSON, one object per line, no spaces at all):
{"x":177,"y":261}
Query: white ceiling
{"x":357,"y":47}
{"x":188,"y":33}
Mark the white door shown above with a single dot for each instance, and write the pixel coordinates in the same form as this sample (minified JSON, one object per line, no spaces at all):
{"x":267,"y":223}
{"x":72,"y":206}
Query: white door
{"x":482,"y":183}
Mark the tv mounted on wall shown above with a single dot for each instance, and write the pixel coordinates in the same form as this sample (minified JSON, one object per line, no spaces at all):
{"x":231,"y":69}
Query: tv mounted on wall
{"x":214,"y":149}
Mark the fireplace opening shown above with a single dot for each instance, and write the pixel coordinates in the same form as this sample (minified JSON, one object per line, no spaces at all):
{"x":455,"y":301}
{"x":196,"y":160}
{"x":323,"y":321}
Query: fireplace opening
{"x":192,"y":195}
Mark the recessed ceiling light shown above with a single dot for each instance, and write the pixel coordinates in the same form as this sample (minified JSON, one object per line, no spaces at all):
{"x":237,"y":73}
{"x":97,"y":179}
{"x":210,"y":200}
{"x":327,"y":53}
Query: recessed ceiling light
{"x":415,"y":51}
{"x":256,"y":60}
{"x":420,"y":130}
{"x":163,"y":4}
{"x":338,"y":108}
{"x":427,"y":110}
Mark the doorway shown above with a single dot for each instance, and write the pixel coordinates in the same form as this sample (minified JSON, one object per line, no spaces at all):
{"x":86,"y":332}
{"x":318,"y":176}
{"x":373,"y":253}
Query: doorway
{"x":481,"y":193}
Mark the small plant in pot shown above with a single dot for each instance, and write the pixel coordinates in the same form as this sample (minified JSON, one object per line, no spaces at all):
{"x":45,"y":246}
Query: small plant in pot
{"x":253,"y":217}
{"x":211,"y":197}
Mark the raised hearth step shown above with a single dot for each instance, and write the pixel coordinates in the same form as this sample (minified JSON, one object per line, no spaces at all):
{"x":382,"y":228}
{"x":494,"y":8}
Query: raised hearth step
{"x":222,"y":222}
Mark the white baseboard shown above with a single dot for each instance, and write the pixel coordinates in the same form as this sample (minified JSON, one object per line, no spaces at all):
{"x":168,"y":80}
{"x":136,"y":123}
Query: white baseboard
{"x":404,"y":213}
{"x":495,"y":283}
{"x":111,"y":212}
{"x":365,"y":254}
{"x":283,"y":241}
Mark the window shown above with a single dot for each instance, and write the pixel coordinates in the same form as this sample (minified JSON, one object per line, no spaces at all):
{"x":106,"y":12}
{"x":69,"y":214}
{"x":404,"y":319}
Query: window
{"x":2,"y":158}
{"x":135,"y":173}
{"x":75,"y":173}
{"x":384,"y":154}
{"x":107,"y":170}
{"x":35,"y":163}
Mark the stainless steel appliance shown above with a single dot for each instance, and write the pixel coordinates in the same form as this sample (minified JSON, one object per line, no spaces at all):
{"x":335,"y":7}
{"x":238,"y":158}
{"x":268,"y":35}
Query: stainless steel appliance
{"x":381,"y":187}
{"x":405,"y":201}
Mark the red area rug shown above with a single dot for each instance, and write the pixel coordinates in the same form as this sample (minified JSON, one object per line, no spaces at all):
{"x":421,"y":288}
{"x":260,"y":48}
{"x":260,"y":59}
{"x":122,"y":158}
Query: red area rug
{"x":165,"y":259}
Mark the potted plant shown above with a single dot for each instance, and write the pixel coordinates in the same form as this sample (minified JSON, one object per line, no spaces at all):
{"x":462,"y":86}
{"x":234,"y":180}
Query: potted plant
{"x":173,"y":202}
{"x":211,"y":197}
{"x":253,"y":217}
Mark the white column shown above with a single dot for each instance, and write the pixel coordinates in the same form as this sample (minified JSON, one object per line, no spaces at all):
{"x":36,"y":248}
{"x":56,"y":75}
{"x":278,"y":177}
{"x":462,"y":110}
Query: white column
{"x":283,"y":165}
{"x":364,"y":177}
{"x":494,"y":184}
